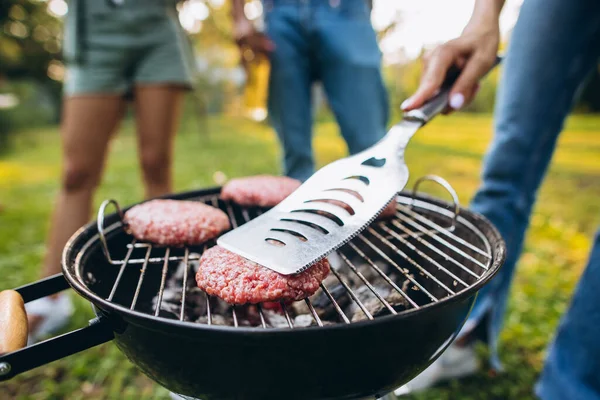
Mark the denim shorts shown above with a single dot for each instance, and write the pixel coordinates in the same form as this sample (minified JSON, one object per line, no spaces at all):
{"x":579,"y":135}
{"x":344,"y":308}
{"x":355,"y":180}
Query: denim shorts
{"x":111,"y":46}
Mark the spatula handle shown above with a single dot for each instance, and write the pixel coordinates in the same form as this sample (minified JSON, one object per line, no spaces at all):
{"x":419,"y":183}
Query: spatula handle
{"x":439,"y":102}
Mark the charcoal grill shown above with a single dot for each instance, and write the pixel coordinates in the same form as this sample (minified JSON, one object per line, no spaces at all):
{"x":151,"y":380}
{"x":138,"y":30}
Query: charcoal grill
{"x":397,"y":296}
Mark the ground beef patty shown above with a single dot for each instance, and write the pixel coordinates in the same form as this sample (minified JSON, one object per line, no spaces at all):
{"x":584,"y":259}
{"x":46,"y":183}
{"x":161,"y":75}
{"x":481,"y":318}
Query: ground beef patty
{"x":389,"y":211}
{"x":175,"y":222}
{"x":260,"y":190}
{"x":239,"y":281}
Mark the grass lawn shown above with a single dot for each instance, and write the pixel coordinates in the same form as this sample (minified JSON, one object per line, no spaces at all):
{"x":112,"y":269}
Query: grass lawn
{"x":567,"y":214}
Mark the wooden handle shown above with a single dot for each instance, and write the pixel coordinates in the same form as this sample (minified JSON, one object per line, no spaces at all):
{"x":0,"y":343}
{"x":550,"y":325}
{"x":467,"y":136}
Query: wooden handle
{"x":13,"y":322}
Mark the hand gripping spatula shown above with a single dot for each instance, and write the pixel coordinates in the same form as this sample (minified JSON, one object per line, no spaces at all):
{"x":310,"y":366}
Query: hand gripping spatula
{"x":336,"y":203}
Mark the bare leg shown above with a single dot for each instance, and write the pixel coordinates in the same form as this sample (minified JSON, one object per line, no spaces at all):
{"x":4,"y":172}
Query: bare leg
{"x":88,"y":123}
{"x":157,"y":110}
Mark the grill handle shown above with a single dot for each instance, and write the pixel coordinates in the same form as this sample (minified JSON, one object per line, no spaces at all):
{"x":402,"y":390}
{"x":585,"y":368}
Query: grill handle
{"x":43,"y":288}
{"x":13,"y":321}
{"x":26,"y":358}
{"x":444,"y":183}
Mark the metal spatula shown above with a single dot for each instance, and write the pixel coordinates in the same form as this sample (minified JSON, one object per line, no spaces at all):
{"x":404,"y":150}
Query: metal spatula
{"x":336,"y":203}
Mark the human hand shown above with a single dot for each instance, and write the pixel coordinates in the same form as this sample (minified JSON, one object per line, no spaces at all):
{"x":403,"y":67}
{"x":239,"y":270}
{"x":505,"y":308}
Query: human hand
{"x":474,"y":52}
{"x":251,"y":42}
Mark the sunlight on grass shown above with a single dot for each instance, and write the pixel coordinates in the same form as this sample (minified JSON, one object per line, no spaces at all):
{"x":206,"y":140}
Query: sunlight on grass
{"x":19,"y":173}
{"x":565,"y":217}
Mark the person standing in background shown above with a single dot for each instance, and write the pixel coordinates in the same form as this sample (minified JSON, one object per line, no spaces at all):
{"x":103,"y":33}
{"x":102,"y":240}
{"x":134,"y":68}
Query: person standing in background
{"x":331,"y":41}
{"x":116,"y":50}
{"x":554,"y":46}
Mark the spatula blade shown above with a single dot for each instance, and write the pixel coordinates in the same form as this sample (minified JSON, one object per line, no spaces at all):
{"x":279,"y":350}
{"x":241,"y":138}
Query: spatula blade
{"x":328,"y":210}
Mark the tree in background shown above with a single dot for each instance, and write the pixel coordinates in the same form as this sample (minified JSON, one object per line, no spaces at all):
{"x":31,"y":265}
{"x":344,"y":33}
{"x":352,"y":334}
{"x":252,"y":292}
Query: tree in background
{"x":30,"y":46}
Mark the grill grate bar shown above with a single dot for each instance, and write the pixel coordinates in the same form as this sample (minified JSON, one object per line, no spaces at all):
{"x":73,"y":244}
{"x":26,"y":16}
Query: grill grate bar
{"x":234,"y":315}
{"x":335,"y":304}
{"x":425,"y":243}
{"x":392,"y":262}
{"x":208,"y":312}
{"x":383,"y":274}
{"x":442,"y":230}
{"x":287,"y":314}
{"x":163,"y":278}
{"x":245,"y":214}
{"x":154,"y":260}
{"x":263,"y":323}
{"x":231,"y":214}
{"x":184,"y":287}
{"x":367,"y":283}
{"x":352,"y":294}
{"x":313,"y":312}
{"x":441,"y":240}
{"x":425,"y":256}
{"x":121,"y":270}
{"x":141,"y":279}
{"x":410,"y":260}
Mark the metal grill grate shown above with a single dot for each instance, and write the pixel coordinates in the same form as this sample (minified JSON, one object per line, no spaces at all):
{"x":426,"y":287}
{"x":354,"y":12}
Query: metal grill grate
{"x":412,"y":259}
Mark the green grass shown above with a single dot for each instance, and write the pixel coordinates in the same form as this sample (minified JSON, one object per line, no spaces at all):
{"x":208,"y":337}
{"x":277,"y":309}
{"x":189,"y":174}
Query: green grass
{"x":452,"y":147}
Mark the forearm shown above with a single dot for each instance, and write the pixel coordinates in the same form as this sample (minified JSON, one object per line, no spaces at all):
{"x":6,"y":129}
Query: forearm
{"x":245,"y":33}
{"x":237,"y":10}
{"x":241,"y":25}
{"x":486,"y":11}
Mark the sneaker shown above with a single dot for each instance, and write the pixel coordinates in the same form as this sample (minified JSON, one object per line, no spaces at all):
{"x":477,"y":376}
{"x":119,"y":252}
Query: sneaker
{"x":54,"y":313}
{"x":456,"y":362}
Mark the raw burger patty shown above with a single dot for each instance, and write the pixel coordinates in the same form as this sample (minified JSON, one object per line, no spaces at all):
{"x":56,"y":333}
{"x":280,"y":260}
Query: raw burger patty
{"x":260,"y":190}
{"x":238,"y":281}
{"x":175,"y":222}
{"x":389,"y":211}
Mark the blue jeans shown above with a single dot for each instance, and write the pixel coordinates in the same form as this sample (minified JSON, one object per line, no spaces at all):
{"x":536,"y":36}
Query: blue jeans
{"x":554,"y":46}
{"x":332,"y":42}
